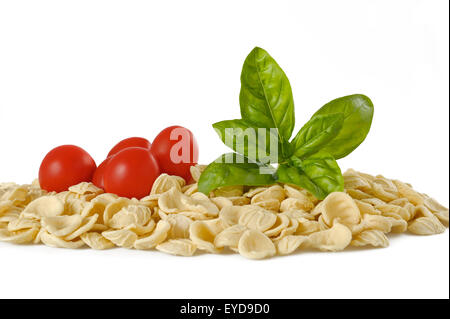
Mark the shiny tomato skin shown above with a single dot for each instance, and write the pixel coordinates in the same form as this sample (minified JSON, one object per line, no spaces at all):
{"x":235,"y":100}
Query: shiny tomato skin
{"x":162,"y":146}
{"x":131,"y":173}
{"x":130,"y":142}
{"x":99,"y":174}
{"x":64,"y":166}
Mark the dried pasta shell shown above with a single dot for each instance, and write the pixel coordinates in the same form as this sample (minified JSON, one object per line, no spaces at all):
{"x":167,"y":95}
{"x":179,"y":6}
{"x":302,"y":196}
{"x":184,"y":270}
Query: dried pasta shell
{"x":366,"y":208}
{"x":165,"y":182}
{"x":229,"y":237}
{"x":379,"y":192}
{"x":86,"y":225}
{"x":17,"y":195}
{"x":45,"y":206}
{"x":356,"y":182}
{"x":5,"y":206}
{"x":357,"y":194}
{"x":22,"y":223}
{"x":105,"y":199}
{"x":178,"y":247}
{"x":387,"y":184}
{"x":10,"y":216}
{"x":374,"y":201}
{"x":334,"y":239}
{"x":406,"y":191}
{"x":61,"y":226}
{"x":293,"y":225}
{"x":398,"y":225}
{"x":291,"y":243}
{"x":257,"y":218}
{"x":94,"y":208}
{"x":437,"y":209}
{"x":114,"y":207}
{"x":37,"y":239}
{"x":98,"y":228}
{"x":296,"y":204}
{"x":270,"y":198}
{"x":299,"y":214}
{"x":270,"y":204}
{"x":54,"y":241}
{"x":190,"y":189}
{"x":372,"y":237}
{"x":254,"y":244}
{"x":340,"y":207}
{"x":196,"y":171}
{"x":84,"y":188}
{"x":5,"y":187}
{"x":173,"y":201}
{"x":422,"y":211}
{"x":281,"y":223}
{"x":200,"y":197}
{"x":230,"y":215}
{"x":306,"y":226}
{"x":253,"y":191}
{"x":96,"y":241}
{"x":138,"y":215}
{"x":396,"y":211}
{"x":426,"y":226}
{"x":221,"y":202}
{"x":122,"y":237}
{"x":203,"y":234}
{"x":157,"y":237}
{"x":194,"y":215}
{"x":377,"y":222}
{"x":239,"y":200}
{"x":74,"y":206}
{"x":402,"y":202}
{"x":142,"y":230}
{"x":18,"y":237}
{"x":179,"y":226}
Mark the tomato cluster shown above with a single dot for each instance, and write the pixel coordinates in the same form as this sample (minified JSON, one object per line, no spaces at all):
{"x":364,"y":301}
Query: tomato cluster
{"x":130,"y":168}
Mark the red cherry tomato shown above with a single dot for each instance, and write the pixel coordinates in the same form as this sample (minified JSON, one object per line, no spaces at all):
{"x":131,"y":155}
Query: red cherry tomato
{"x":131,"y":173}
{"x":176,"y":150}
{"x":99,"y":174}
{"x":130,"y":142}
{"x":65,"y":166}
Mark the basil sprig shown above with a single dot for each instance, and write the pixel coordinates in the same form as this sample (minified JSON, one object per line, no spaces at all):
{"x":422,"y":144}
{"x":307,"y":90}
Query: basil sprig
{"x":309,"y":160}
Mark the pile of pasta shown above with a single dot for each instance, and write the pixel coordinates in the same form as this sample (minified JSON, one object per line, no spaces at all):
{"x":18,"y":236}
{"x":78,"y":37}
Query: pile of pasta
{"x":256,"y":222}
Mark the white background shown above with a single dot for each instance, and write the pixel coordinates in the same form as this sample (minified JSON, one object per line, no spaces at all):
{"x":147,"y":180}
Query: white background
{"x":93,"y":72}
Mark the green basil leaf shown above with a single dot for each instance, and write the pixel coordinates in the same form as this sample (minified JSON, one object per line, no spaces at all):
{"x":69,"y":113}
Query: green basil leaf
{"x":289,"y":174}
{"x":320,"y":174}
{"x":324,"y":171}
{"x":266,"y":96}
{"x":358,"y":114}
{"x":317,"y":132}
{"x":258,"y":144}
{"x":234,"y":169}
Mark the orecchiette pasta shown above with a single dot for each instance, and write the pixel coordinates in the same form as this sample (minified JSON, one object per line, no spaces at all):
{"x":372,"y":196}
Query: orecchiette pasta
{"x":334,"y":239}
{"x":122,"y":237}
{"x":229,"y":237}
{"x":372,"y":237}
{"x":180,"y":247}
{"x":18,"y":237}
{"x":155,"y":238}
{"x":96,"y":241}
{"x":256,"y":222}
{"x":254,"y":244}
{"x":203,"y":234}
{"x":55,"y":241}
